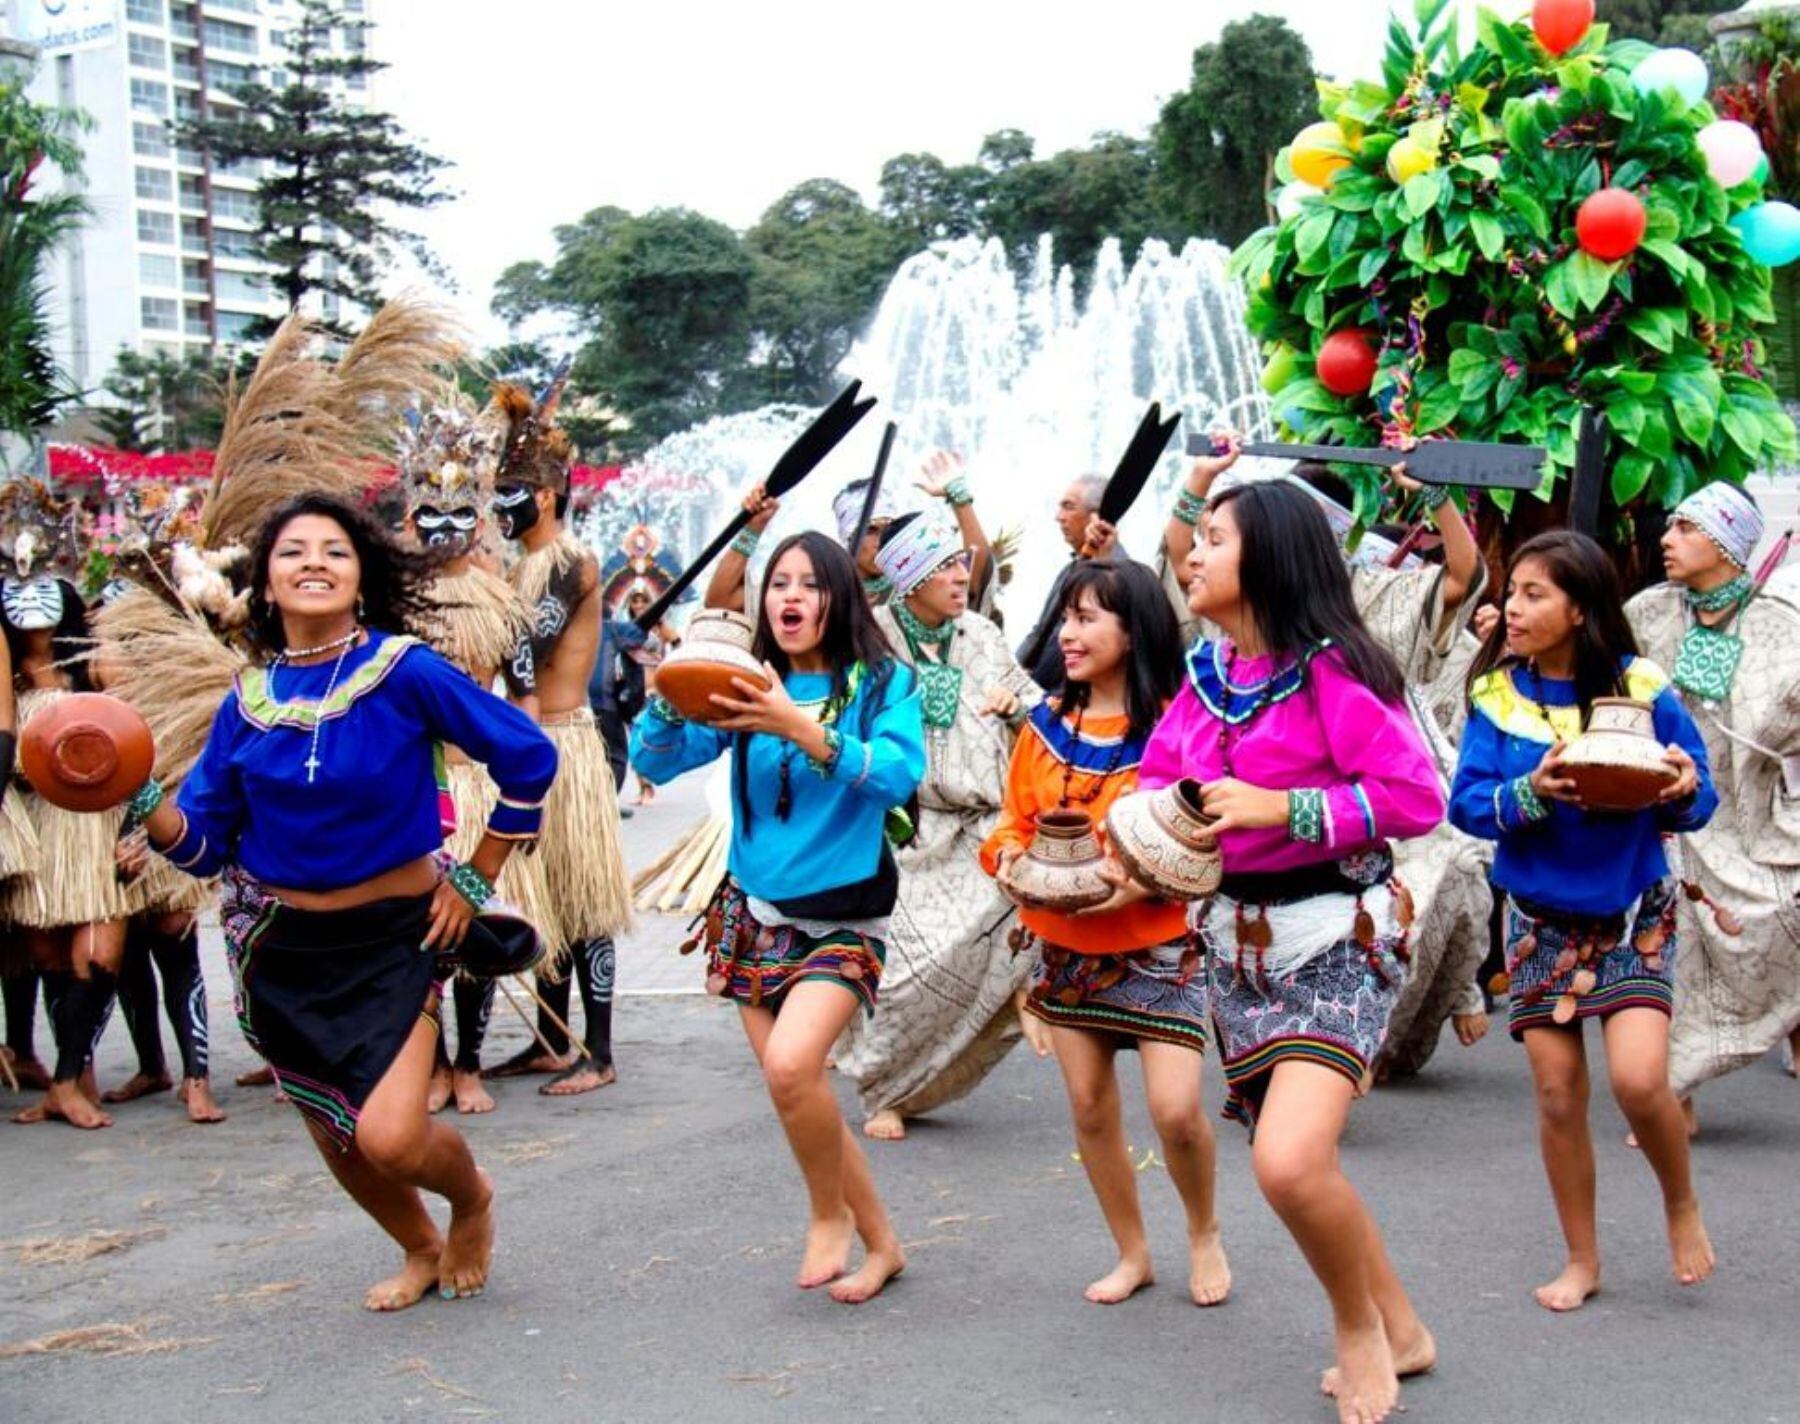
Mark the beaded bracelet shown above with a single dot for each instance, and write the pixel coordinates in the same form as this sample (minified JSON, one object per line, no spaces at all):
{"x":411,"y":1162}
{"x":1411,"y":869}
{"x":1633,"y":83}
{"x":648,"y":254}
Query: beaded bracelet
{"x":1306,"y":815}
{"x":834,"y":751}
{"x":1189,"y":507}
{"x":145,"y":800}
{"x":471,"y":884}
{"x":1530,"y":805}
{"x":746,"y":542}
{"x":664,"y":711}
{"x":1432,"y":497}
{"x":957,"y":492}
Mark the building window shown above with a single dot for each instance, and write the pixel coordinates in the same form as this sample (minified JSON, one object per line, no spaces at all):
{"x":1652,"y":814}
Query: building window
{"x":148,"y":52}
{"x":246,"y":7}
{"x":144,"y":12}
{"x":149,"y":140}
{"x":149,"y":97}
{"x":155,"y":185}
{"x":236,"y":326}
{"x":233,"y":39}
{"x":242,"y":289}
{"x":156,"y":270}
{"x":159,"y":313}
{"x":233,"y":245}
{"x":230,"y":203}
{"x":221,"y":75}
{"x":155,"y":227}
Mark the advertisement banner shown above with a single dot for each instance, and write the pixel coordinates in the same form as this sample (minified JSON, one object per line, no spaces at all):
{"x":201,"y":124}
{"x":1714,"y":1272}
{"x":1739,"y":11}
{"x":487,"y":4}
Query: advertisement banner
{"x":63,"y":26}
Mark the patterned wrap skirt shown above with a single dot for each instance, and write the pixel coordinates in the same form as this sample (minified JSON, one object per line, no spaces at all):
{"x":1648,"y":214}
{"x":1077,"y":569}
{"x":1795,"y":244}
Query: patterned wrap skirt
{"x":756,"y":964}
{"x":328,"y":997}
{"x":1155,"y":995}
{"x":1565,"y":968}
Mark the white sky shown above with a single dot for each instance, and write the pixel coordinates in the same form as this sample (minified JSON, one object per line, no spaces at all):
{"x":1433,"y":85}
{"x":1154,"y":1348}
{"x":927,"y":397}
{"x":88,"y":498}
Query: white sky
{"x":551,"y":107}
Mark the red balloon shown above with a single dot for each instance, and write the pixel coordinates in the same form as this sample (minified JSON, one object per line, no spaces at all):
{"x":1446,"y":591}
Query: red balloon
{"x":1346,"y":362}
{"x":1560,"y":24}
{"x":1610,"y":224}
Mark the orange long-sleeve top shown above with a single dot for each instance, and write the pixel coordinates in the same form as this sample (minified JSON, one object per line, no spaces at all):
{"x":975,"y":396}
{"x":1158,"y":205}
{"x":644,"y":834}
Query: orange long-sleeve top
{"x":1055,"y":767}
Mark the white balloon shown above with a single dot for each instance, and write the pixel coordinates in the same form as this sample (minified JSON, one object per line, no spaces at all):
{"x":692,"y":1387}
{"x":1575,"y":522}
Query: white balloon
{"x":1732,"y":151}
{"x":1290,"y":201}
{"x":1677,"y":71}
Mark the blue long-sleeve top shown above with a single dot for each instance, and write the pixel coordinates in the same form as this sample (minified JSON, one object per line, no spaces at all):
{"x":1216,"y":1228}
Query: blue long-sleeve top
{"x":833,"y":832}
{"x":1554,"y":854}
{"x":372,"y":804}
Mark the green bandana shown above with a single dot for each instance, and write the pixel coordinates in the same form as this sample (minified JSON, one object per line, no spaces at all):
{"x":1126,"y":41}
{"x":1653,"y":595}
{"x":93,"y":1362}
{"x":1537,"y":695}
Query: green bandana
{"x":1724,"y":596}
{"x":878,"y":590}
{"x":940,"y":684}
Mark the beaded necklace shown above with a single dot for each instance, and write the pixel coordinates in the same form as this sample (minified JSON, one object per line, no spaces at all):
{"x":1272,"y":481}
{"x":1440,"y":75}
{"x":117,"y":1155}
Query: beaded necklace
{"x":343,"y":646}
{"x":1102,"y":778}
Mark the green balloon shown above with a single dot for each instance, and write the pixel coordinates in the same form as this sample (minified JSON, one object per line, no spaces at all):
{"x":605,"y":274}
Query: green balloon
{"x":1760,"y":175}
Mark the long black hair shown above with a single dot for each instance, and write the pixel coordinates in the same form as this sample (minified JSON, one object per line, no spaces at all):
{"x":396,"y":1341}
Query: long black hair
{"x":71,"y":645}
{"x":393,"y":581}
{"x":1291,"y":576}
{"x":1133,"y":595}
{"x":1603,"y":639}
{"x":849,"y":635}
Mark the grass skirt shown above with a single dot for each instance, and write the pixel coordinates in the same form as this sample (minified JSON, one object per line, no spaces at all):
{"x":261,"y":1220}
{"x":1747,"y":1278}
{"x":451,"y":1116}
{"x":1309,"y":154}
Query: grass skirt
{"x":18,"y":838}
{"x":584,"y":864}
{"x":521,"y":884}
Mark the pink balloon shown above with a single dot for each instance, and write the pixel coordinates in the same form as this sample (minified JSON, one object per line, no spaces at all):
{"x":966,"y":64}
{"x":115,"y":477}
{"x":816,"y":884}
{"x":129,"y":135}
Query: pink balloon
{"x":1732,"y":151}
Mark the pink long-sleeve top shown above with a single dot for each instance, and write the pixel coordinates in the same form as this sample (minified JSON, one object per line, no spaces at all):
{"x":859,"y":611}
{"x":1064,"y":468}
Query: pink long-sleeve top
{"x":1314,"y":726}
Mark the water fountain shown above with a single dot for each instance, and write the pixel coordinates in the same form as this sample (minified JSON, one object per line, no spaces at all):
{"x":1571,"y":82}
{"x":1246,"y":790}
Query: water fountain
{"x":1031,"y":386}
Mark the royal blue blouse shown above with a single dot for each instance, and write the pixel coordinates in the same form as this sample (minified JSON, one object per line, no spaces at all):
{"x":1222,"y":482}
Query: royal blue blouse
{"x":372,"y":802}
{"x":1551,"y":853}
{"x":834,"y":827}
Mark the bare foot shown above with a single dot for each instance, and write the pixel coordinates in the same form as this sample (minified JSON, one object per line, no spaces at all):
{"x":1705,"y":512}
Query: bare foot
{"x":531,"y":1059}
{"x":197,"y":1094}
{"x":877,"y":1269}
{"x":65,"y":1102}
{"x":417,"y":1276}
{"x":1366,"y":1387}
{"x":582,"y":1077}
{"x":437,"y":1096}
{"x":468,"y":1246}
{"x":1578,"y":1283}
{"x":1122,"y":1282}
{"x":1209,"y":1273}
{"x":263,"y":1077}
{"x":885,"y":1126}
{"x":827,"y":1251}
{"x":29,"y":1072}
{"x":472,"y":1095}
{"x":138,"y":1085}
{"x":1417,"y":1356}
{"x":1689,"y":1245}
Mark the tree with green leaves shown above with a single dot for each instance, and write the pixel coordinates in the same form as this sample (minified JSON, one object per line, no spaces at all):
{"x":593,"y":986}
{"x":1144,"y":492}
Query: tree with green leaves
{"x":334,"y":169}
{"x":164,"y":402}
{"x":33,"y":223}
{"x":1080,"y":197}
{"x":1215,"y":142}
{"x":1490,"y":320}
{"x":1669,"y":23}
{"x":924,"y":199}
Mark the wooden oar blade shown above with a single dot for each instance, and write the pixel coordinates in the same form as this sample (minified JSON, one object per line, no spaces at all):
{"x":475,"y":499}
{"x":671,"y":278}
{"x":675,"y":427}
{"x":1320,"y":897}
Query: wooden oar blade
{"x":1136,"y":464}
{"x":818,"y":440}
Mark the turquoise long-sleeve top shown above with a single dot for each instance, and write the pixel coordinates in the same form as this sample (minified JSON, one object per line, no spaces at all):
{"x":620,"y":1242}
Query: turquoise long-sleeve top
{"x":1551,"y":853}
{"x":370,"y":804}
{"x":833,"y":830}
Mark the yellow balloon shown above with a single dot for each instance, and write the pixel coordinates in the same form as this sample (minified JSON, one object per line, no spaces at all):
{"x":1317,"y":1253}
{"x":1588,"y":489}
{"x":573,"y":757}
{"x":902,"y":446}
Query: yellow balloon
{"x":1407,"y":159}
{"x":1318,"y":154}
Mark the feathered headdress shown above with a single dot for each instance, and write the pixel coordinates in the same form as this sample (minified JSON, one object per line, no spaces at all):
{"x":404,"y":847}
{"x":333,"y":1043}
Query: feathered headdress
{"x":39,"y":533}
{"x":448,"y":455}
{"x":536,"y":452}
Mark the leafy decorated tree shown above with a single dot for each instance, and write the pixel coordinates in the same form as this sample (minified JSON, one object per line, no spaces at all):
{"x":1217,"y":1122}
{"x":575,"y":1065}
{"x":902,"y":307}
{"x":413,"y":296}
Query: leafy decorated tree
{"x":1448,"y":252}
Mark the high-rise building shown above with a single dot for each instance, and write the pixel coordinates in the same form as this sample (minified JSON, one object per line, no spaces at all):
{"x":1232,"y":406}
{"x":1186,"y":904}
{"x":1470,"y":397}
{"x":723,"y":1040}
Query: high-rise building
{"x":165,"y":262}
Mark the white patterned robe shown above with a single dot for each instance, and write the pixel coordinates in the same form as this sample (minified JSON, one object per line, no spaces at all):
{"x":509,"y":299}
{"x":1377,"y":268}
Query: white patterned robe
{"x":1738,"y":996}
{"x":945,"y":1015}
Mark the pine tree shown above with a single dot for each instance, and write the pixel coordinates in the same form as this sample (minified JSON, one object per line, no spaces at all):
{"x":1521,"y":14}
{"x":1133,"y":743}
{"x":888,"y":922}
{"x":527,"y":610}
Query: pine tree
{"x":333,"y":168}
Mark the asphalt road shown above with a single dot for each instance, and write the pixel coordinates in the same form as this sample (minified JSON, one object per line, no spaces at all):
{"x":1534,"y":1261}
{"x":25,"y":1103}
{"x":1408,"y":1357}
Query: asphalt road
{"x":648,"y":1235}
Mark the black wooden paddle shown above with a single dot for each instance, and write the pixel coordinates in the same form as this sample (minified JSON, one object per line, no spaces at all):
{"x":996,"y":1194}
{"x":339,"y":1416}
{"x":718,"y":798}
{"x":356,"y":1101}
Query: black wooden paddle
{"x":1471,"y":463}
{"x":1134,"y":468}
{"x":873,"y":493}
{"x":799,"y":460}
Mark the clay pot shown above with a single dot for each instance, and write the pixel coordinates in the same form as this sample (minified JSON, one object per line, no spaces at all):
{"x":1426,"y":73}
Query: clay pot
{"x":1156,"y":835}
{"x":86,"y":752}
{"x":1061,"y":871}
{"x":1617,"y":763}
{"x":714,"y":650}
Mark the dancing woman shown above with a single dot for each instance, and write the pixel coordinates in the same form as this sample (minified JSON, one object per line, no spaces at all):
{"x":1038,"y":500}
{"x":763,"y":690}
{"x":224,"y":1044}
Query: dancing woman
{"x":797,"y":934}
{"x":316,"y":797}
{"x":1590,"y":913}
{"x":1295,"y":725}
{"x":1122,"y":976}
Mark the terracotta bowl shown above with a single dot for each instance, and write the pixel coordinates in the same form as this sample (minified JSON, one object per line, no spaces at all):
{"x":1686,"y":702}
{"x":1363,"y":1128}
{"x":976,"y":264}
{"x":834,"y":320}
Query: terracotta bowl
{"x":1617,"y":763}
{"x":87,"y":752}
{"x":1156,"y":835}
{"x":1061,"y":870}
{"x":714,"y":650}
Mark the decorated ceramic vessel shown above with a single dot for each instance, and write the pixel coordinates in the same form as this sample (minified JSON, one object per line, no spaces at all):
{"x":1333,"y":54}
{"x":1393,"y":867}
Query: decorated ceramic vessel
{"x":1157,"y":837}
{"x":86,"y":752}
{"x":1617,"y":764}
{"x":1061,"y":870}
{"x":714,"y":650}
